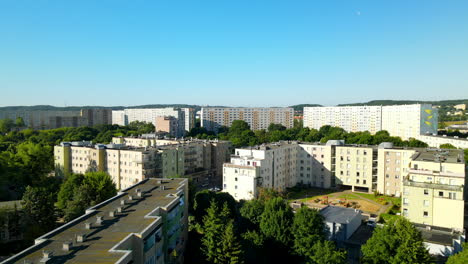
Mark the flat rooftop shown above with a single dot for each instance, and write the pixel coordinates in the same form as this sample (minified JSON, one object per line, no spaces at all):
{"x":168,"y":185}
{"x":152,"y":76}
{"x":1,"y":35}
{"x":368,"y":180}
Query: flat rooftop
{"x":440,"y":155}
{"x":100,"y":239}
{"x":340,"y":215}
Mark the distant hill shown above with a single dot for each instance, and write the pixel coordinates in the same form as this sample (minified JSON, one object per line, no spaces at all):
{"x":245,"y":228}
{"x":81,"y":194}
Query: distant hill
{"x":300,"y":107}
{"x":401,"y":102}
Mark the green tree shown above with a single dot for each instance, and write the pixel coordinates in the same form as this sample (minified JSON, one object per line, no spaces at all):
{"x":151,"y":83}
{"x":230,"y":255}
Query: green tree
{"x":6,"y":125}
{"x":19,"y":122}
{"x":276,"y":220}
{"x":39,"y":209}
{"x":325,"y":252}
{"x":68,"y":189}
{"x":276,"y":127}
{"x":252,"y":210}
{"x":212,"y":231}
{"x":447,"y":146}
{"x":307,"y":229}
{"x":414,"y":143}
{"x":397,"y":242}
{"x":460,"y":257}
{"x":230,"y":249}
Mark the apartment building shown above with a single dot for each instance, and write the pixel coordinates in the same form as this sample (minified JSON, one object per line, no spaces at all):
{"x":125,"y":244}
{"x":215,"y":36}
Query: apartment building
{"x":393,"y":167}
{"x":167,"y":124}
{"x":50,"y":119}
{"x":410,"y":121}
{"x":286,"y":164}
{"x":189,"y":118}
{"x":435,"y":141}
{"x":201,"y":160}
{"x":356,"y":167}
{"x":350,"y":118}
{"x":405,"y":121}
{"x":126,"y":116}
{"x":213,"y":118}
{"x":145,"y":223}
{"x":433,"y":191}
{"x":279,"y":166}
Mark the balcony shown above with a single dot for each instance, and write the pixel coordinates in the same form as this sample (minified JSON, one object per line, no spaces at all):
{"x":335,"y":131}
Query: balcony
{"x":456,"y":188}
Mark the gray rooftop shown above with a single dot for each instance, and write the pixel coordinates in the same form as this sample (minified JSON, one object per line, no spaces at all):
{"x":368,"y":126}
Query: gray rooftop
{"x":335,"y":214}
{"x":440,"y":155}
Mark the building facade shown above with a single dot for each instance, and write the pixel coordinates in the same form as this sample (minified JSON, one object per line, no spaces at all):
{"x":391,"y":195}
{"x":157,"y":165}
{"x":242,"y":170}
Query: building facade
{"x":145,"y":223}
{"x":167,"y":124}
{"x":50,"y":119}
{"x":184,"y":116}
{"x":213,"y":118}
{"x":405,"y":121}
{"x":433,"y":190}
{"x":350,"y":118}
{"x":131,"y":160}
{"x":435,"y":141}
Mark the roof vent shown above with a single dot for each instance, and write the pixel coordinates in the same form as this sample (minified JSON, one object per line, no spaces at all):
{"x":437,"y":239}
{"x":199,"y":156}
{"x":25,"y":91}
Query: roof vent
{"x":88,"y":225}
{"x":81,"y":238}
{"x":66,"y":246}
{"x":112,"y":213}
{"x":99,"y":219}
{"x":139,"y":194}
{"x":46,"y":256}
{"x":122,"y":202}
{"x":137,"y":190}
{"x":130,"y":197}
{"x":119,"y":209}
{"x":163,"y":187}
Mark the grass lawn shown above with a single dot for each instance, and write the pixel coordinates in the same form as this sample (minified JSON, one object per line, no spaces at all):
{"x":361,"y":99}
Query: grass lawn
{"x":388,"y":199}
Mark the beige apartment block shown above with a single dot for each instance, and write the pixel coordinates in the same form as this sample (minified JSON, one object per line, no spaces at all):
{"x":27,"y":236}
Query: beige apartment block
{"x":258,"y":118}
{"x":167,"y":124}
{"x":433,"y":191}
{"x":315,"y":165}
{"x":201,"y":160}
{"x":393,"y":167}
{"x":356,"y":167}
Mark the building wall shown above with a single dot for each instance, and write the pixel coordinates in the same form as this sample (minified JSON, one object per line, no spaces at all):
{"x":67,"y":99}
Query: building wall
{"x":355,"y":167}
{"x":350,"y":118}
{"x":436,"y":141}
{"x":257,"y":118}
{"x":315,"y":166}
{"x":434,"y":194}
{"x":241,"y":181}
{"x":393,"y":166}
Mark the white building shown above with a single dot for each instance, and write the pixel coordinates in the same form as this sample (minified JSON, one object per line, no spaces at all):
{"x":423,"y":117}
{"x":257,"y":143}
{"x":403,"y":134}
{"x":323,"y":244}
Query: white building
{"x":126,"y":116}
{"x":409,"y":121}
{"x":350,"y":118}
{"x":436,"y":141}
{"x":405,"y":121}
{"x":258,"y":118}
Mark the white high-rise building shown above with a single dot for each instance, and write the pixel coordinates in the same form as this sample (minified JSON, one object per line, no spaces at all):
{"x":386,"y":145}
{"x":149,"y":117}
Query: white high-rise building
{"x":126,"y":116}
{"x":213,"y":118}
{"x":405,"y":121}
{"x":350,"y":118}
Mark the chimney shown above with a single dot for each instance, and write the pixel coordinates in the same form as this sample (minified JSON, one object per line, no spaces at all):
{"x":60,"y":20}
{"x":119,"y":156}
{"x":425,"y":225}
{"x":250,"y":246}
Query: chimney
{"x":163,"y":187}
{"x":137,"y":190}
{"x":88,"y":225}
{"x":130,"y":197}
{"x":81,"y":238}
{"x":46,"y":256}
{"x":122,"y":202}
{"x":112,"y":213}
{"x":119,"y":209}
{"x":139,"y":194}
{"x":66,"y":246}
{"x":99,"y":219}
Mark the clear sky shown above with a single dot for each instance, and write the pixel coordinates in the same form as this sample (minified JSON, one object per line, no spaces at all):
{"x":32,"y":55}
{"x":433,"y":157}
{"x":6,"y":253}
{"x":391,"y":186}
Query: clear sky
{"x":236,"y":52}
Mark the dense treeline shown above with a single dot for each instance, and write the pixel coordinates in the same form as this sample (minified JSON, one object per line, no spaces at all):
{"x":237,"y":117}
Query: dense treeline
{"x":26,"y":156}
{"x":241,"y":135}
{"x":258,"y":231}
{"x":266,"y":230}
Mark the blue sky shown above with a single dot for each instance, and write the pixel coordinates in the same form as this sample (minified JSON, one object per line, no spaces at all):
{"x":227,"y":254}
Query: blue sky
{"x":240,"y":53}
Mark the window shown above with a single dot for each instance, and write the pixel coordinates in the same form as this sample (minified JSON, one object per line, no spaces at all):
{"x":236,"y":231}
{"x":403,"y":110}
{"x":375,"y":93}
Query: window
{"x":426,"y":203}
{"x":405,"y":212}
{"x":235,"y":179}
{"x":357,"y":174}
{"x":452,"y":195}
{"x":235,"y":187}
{"x":405,"y":201}
{"x":425,"y":213}
{"x":426,"y":192}
{"x":441,"y":194}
